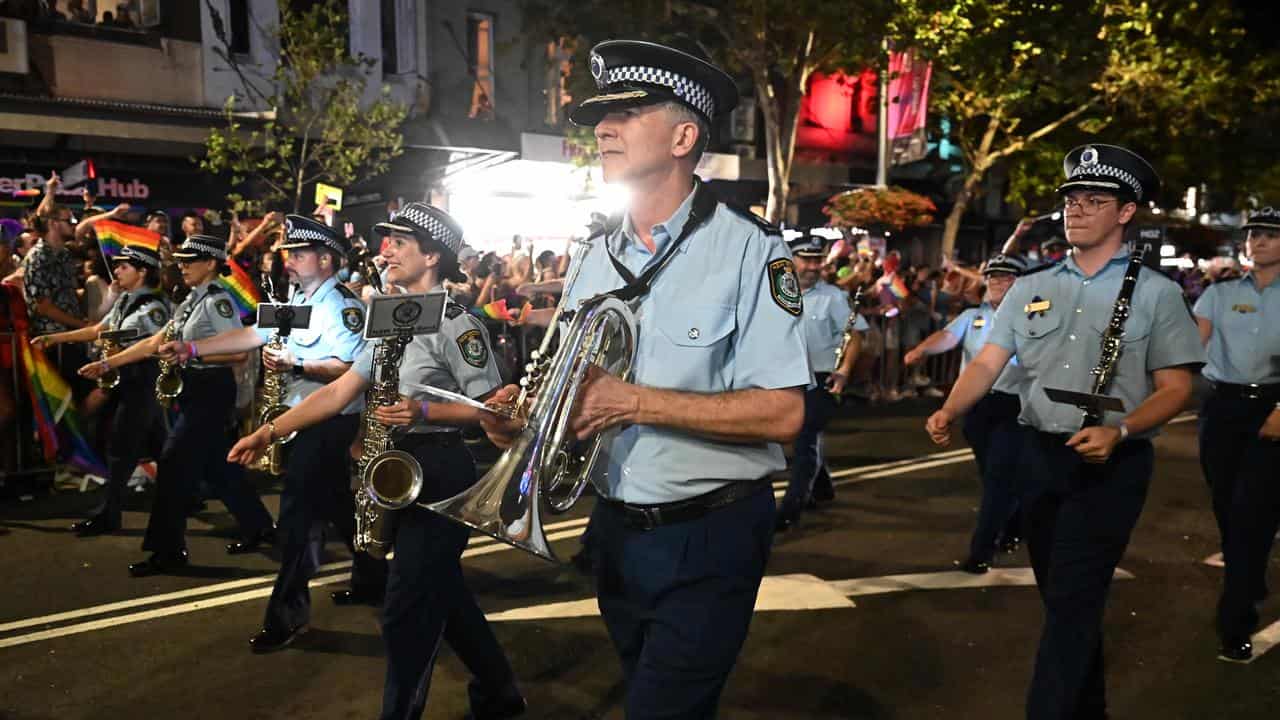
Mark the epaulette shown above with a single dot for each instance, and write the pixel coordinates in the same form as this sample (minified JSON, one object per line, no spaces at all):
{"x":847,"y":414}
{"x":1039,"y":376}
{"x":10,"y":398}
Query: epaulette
{"x":755,"y":219}
{"x":215,"y":288}
{"x":346,"y":292}
{"x":452,"y":310}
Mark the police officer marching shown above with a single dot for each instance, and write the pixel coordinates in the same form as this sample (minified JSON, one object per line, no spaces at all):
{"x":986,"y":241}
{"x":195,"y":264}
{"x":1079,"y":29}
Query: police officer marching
{"x":136,"y":429}
{"x":826,"y":315}
{"x":718,"y":379}
{"x":1085,"y":483}
{"x":197,"y":444}
{"x":1240,"y":427}
{"x":426,"y":597}
{"x":317,"y":482}
{"x":991,"y":426}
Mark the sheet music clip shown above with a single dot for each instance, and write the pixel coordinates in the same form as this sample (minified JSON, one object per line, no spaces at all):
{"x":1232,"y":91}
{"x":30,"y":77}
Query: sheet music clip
{"x":284,"y":317}
{"x":118,"y":336}
{"x":1088,"y":402}
{"x":393,"y":315}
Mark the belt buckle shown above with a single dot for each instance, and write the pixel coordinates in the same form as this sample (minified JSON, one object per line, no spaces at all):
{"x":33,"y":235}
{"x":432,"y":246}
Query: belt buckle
{"x":649,"y":518}
{"x":1252,"y":391}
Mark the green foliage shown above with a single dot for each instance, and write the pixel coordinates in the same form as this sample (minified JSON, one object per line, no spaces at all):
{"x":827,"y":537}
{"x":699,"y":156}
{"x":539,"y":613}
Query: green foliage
{"x":320,"y":130}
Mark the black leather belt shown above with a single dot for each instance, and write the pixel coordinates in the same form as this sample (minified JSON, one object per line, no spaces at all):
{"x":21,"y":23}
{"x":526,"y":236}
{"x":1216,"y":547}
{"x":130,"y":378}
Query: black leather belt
{"x":1270,"y":393}
{"x":648,"y":517}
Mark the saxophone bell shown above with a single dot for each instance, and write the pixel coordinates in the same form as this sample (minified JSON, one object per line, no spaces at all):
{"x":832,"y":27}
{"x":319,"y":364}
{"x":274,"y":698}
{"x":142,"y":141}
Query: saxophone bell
{"x":169,"y":381}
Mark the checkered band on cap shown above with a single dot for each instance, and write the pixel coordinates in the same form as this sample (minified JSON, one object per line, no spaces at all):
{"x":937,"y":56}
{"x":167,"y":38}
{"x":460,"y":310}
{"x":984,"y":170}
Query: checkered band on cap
{"x":1089,"y":165}
{"x":204,"y":245}
{"x":1267,"y":217}
{"x":303,"y":231}
{"x":419,"y":215}
{"x":1005,"y":263}
{"x":684,"y":88}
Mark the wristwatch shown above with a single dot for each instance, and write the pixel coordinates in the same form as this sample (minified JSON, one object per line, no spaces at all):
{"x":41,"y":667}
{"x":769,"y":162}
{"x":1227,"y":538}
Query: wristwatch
{"x":299,"y":370}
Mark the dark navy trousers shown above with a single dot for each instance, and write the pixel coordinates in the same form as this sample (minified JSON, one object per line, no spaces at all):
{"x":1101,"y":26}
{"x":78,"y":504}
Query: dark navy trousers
{"x":677,"y":601}
{"x":196,"y":451}
{"x":991,"y":429}
{"x":808,"y":465}
{"x":427,"y":598}
{"x":317,"y":492}
{"x":136,"y":432}
{"x":1078,"y":518}
{"x":1243,"y":476}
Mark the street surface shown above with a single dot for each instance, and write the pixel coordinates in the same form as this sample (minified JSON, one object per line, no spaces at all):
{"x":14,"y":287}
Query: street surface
{"x":839,"y":633}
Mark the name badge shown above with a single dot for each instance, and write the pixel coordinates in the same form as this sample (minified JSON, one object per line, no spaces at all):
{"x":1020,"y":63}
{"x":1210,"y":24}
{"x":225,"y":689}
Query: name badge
{"x":979,"y":322}
{"x":1242,"y":308}
{"x":1035,"y":307}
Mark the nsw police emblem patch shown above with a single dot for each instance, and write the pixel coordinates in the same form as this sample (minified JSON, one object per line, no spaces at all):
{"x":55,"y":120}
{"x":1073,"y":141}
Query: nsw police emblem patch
{"x":352,"y":318}
{"x":223,"y":306}
{"x":474,"y":351}
{"x":783,"y":285}
{"x":158,"y":315}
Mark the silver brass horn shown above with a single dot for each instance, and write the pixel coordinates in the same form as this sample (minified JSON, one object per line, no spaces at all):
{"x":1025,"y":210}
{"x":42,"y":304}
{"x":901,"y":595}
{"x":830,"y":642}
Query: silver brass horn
{"x":546,"y":462}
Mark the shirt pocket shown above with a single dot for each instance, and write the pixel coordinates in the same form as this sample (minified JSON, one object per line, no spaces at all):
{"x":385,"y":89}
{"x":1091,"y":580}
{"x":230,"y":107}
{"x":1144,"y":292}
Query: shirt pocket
{"x":691,"y":350}
{"x":1038,"y":338}
{"x":1133,"y":343}
{"x":305,"y":343}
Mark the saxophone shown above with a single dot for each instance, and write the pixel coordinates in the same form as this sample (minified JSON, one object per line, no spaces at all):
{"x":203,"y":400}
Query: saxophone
{"x":379,"y":462}
{"x":275,"y":386}
{"x":111,"y":378}
{"x":169,"y":381}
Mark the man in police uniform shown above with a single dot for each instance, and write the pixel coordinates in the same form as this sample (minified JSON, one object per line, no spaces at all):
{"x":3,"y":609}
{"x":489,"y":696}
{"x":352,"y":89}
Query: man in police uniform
{"x":1084,"y":487}
{"x":719,"y":374}
{"x":826,"y":313}
{"x":1240,"y":426}
{"x":991,"y":427}
{"x":317,"y":484}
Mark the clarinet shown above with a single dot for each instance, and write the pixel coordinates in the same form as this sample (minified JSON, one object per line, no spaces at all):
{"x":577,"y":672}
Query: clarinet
{"x":1104,"y":371}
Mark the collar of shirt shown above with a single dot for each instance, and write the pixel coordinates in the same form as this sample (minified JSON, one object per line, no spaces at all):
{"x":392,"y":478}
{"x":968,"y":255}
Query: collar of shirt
{"x":1069,"y":265}
{"x":662,"y":233}
{"x":1275,"y":281}
{"x":325,"y":288}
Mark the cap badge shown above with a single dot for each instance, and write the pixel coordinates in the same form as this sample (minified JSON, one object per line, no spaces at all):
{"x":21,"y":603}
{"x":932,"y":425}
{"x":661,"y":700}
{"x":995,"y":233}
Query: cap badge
{"x":1089,"y":156}
{"x":597,"y":68}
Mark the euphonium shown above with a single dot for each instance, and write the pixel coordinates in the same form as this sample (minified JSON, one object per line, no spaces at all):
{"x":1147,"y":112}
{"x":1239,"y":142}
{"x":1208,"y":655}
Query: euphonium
{"x":546,"y":462}
{"x":169,"y":381}
{"x":389,"y":479}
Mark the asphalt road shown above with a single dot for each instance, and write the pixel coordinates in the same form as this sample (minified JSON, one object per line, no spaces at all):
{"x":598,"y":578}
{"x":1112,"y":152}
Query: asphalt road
{"x":81,"y":639}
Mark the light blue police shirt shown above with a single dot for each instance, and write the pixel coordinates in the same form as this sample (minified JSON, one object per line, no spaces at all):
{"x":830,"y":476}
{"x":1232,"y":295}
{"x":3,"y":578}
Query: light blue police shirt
{"x":723,"y":315}
{"x":206,"y":311}
{"x":336,"y":330}
{"x":971,"y":327}
{"x":1244,"y":348}
{"x":826,"y":311}
{"x":457,"y":358}
{"x":145,"y":310}
{"x":1060,"y":344}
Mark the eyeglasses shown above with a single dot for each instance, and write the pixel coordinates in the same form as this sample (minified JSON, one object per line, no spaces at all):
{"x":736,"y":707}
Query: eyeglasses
{"x":1088,"y":205}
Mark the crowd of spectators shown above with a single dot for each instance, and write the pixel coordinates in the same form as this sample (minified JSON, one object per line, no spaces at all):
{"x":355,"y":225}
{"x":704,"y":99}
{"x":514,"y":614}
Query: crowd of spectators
{"x":126,"y":15}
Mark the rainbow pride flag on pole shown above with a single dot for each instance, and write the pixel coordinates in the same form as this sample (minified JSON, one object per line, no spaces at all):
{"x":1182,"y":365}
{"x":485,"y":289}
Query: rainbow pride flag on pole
{"x":498,"y":310}
{"x":898,"y":287}
{"x":113,"y":236}
{"x":243,"y":292}
{"x":51,"y":399}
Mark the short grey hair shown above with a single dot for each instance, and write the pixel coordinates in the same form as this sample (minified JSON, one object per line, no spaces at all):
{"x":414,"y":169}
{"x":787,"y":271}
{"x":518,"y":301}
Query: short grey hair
{"x":682,"y":113}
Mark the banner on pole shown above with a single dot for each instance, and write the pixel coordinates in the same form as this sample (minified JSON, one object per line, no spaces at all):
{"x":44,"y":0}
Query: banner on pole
{"x":908,"y":106}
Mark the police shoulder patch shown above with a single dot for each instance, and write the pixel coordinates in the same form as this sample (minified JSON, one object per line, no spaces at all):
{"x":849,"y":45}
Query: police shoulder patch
{"x":223,"y":306}
{"x":474,"y":350}
{"x":784,"y":287}
{"x":158,"y":315}
{"x":353,"y":318}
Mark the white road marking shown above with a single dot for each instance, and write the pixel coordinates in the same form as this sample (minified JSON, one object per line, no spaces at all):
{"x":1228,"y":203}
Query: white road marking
{"x":1214,"y":560}
{"x":949,"y":580}
{"x":1265,"y":639}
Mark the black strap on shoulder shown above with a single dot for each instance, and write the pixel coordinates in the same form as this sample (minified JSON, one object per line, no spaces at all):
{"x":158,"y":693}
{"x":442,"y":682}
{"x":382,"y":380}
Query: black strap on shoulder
{"x":704,"y":204}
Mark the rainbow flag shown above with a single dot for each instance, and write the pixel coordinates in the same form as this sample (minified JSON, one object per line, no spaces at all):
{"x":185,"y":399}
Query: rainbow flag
{"x":113,"y":236}
{"x":51,"y":399}
{"x":898,"y":287}
{"x":243,"y":292}
{"x":498,"y":310}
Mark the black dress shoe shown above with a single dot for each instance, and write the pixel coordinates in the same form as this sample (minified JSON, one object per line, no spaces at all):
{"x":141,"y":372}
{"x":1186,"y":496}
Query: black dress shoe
{"x":510,"y":703}
{"x":1240,"y":651}
{"x":271,"y":640}
{"x":159,"y":564}
{"x":262,"y":537}
{"x":974,"y":566}
{"x":96,"y":525}
{"x":355,"y":597}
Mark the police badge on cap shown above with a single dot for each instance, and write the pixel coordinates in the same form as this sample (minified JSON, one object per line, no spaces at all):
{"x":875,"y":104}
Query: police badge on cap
{"x":634,"y":73}
{"x":303,"y":232}
{"x":1112,"y":169}
{"x":808,"y":245}
{"x":136,"y":254}
{"x":1268,"y":218}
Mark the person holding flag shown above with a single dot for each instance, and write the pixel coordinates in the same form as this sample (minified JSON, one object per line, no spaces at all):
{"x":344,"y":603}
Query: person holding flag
{"x":198,"y":442}
{"x":136,"y":430}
